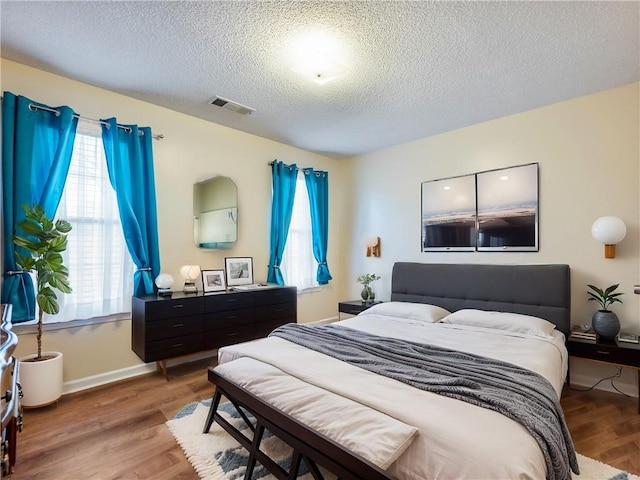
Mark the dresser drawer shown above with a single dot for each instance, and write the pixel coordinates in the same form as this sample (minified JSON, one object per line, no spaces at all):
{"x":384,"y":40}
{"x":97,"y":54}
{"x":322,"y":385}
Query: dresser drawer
{"x":270,"y":296}
{"x":173,"y":347}
{"x":627,"y":355}
{"x":228,"y":336}
{"x":229,"y":318}
{"x":280,"y":310}
{"x":228,"y":301}
{"x":179,"y":307}
{"x":174,"y":327}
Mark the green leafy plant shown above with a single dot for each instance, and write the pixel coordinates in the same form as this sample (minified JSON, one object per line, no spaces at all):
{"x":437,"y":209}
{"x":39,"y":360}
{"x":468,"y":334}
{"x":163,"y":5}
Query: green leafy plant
{"x":367,"y":278}
{"x":604,"y":297}
{"x":40,"y":251}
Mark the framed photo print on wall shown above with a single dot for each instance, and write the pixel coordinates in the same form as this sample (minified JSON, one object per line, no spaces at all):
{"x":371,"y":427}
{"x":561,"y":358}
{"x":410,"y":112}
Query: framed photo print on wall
{"x":239,"y":270}
{"x":213,"y":281}
{"x":508,"y":209}
{"x":449,"y":214}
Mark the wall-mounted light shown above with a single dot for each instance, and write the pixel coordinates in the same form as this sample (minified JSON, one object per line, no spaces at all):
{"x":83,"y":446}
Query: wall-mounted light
{"x":190,"y":273}
{"x":609,"y":231}
{"x":373,"y":247}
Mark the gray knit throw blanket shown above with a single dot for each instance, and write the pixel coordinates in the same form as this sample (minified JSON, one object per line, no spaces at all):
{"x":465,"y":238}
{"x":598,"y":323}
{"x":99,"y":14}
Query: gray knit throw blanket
{"x":520,"y":394}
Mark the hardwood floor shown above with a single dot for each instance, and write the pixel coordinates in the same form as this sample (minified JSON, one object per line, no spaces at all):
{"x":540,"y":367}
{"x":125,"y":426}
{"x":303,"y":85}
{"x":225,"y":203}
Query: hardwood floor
{"x":118,"y":431}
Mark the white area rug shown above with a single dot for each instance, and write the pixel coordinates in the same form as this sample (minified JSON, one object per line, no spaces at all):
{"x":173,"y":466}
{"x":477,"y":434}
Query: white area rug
{"x":217,"y":456}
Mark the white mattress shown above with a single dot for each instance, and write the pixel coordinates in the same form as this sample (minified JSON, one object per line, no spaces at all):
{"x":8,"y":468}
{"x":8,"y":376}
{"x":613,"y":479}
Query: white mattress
{"x":455,"y":439}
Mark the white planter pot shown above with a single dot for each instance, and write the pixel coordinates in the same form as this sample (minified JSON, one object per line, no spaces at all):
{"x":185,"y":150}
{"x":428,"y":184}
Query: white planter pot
{"x":41,"y":381}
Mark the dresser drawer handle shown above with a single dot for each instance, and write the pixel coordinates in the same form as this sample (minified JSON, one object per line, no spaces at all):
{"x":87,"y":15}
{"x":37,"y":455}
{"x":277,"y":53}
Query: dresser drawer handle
{"x":177,"y":325}
{"x":232,"y":334}
{"x":231,"y":317}
{"x":177,"y":306}
{"x":232,"y":300}
{"x":602,"y":353}
{"x":176,"y":345}
{"x":279,"y":310}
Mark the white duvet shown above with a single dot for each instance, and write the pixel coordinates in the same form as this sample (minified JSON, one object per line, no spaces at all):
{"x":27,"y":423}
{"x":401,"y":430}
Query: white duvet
{"x":454,"y":439}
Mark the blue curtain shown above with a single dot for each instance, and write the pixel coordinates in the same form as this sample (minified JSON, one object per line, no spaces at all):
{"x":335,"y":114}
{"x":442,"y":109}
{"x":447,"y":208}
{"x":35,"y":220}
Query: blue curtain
{"x":284,"y":191}
{"x":36,"y":152}
{"x":130,"y":164}
{"x":318,"y":189}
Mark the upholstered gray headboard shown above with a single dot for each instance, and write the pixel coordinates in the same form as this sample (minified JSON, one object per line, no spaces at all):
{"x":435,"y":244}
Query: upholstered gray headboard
{"x":540,"y":290}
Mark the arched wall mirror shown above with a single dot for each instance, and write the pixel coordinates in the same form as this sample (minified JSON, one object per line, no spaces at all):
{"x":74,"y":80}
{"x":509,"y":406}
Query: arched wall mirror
{"x":215,"y":213}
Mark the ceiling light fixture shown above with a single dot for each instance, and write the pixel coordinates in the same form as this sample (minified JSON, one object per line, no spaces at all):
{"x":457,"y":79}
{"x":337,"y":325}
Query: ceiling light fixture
{"x":318,"y":56}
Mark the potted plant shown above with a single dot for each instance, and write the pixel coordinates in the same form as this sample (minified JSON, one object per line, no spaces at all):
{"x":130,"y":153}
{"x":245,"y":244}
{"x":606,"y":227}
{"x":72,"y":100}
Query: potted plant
{"x":39,"y":251}
{"x":366,"y":279}
{"x":605,"y":322}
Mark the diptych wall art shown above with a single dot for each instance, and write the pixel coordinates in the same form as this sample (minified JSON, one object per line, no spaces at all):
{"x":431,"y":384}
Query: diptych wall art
{"x":495,"y":210}
{"x":449,"y":214}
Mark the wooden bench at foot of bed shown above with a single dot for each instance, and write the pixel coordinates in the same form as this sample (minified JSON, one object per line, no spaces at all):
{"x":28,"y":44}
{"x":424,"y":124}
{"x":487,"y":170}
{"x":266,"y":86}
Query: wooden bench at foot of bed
{"x":308,"y":445}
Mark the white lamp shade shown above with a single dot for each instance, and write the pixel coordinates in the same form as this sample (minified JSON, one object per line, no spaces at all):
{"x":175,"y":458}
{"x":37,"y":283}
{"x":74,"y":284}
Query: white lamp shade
{"x":164,"y":281}
{"x":190,"y":272}
{"x":608,"y":230}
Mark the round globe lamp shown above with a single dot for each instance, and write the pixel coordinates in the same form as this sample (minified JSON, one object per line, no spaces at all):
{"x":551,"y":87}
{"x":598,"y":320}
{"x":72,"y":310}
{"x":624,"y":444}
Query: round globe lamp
{"x":609,"y":231}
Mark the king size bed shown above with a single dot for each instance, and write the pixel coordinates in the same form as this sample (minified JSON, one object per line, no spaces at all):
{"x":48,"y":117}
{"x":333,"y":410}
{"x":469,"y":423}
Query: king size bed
{"x":458,"y":376}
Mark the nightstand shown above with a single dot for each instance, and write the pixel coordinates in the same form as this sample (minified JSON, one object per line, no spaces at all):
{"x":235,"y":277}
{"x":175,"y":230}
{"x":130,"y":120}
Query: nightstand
{"x":354,"y":307}
{"x":620,"y":354}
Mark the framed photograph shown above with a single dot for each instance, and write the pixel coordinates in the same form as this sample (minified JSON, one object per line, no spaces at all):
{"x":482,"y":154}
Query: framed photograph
{"x":449,"y":214}
{"x":508,"y":209}
{"x":213,"y":281}
{"x":239,"y":270}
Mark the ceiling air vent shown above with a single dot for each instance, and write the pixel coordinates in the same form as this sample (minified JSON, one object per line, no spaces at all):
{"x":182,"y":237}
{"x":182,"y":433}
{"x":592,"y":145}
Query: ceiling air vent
{"x":229,"y":105}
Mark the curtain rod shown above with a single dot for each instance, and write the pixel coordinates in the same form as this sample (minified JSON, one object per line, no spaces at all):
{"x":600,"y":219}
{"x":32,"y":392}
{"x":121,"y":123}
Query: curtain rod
{"x":33,"y":107}
{"x":317,"y":173}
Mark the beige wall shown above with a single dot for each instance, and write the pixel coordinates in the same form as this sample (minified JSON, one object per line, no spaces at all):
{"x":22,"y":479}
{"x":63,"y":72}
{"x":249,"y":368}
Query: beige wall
{"x":192,"y":149}
{"x":587,"y":148}
{"x":588,"y":151}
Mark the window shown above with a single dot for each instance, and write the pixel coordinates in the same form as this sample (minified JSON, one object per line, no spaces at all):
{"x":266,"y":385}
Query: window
{"x":100,"y":267}
{"x":298,"y":266}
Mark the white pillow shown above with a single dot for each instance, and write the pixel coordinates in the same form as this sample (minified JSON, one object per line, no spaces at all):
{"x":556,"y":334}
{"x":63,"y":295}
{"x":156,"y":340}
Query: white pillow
{"x":413,"y":311}
{"x":511,"y":322}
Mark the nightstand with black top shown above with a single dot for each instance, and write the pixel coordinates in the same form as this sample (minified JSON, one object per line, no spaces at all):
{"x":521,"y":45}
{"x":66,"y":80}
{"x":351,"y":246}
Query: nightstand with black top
{"x":354,"y":307}
{"x":611,"y":352}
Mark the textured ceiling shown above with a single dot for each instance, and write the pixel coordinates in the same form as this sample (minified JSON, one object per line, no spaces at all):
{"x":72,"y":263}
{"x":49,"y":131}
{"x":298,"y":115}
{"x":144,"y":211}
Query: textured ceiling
{"x":415,"y":68}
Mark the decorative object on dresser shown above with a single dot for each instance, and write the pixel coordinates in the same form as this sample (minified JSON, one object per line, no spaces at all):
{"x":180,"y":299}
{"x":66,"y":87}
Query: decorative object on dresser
{"x":190,"y":273}
{"x":239,"y":270}
{"x":604,"y":321}
{"x":164,"y":282}
{"x":213,"y":281}
{"x":11,"y":408}
{"x":609,"y":231}
{"x":365,"y":280}
{"x":40,"y":251}
{"x":164,"y":328}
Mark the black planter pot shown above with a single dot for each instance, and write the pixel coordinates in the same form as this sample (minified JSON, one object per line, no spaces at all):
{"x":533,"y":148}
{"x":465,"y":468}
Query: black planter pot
{"x":605,"y":324}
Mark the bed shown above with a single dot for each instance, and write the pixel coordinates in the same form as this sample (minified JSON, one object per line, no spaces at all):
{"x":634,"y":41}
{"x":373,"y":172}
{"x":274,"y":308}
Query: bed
{"x":503,"y":324}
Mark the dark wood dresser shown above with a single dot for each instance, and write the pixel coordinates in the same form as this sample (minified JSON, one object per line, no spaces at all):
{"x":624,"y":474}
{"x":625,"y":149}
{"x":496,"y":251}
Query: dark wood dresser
{"x":11,"y":410}
{"x":167,"y":327}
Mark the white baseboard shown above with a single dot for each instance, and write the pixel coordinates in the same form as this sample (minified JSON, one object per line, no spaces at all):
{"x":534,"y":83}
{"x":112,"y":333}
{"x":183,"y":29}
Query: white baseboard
{"x":92,"y":381}
{"x":100,"y":379}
